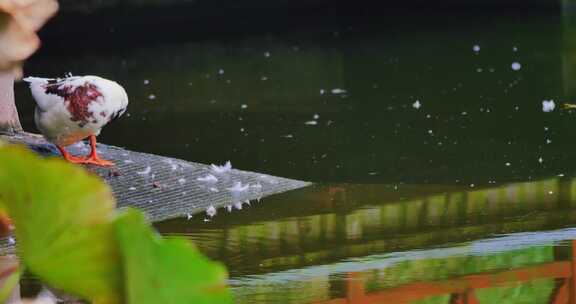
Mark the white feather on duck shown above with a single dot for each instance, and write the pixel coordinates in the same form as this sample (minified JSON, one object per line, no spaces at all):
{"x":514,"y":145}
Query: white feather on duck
{"x":73,"y":108}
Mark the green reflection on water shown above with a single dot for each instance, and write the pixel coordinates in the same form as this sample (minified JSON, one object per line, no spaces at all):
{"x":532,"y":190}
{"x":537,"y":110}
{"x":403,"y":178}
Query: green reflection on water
{"x":299,"y":246}
{"x":333,"y":222}
{"x":319,"y":289}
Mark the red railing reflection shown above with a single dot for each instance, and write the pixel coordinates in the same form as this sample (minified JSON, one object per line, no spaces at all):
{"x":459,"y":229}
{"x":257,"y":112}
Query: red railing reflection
{"x":462,"y":289}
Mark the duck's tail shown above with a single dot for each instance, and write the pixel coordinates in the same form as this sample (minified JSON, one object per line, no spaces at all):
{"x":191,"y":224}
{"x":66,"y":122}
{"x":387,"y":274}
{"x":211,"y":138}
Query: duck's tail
{"x":38,"y":89}
{"x":36,"y":80}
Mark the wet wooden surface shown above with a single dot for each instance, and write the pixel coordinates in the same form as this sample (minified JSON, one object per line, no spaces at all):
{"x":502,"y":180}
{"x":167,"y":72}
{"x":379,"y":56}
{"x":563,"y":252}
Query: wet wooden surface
{"x":166,"y":187}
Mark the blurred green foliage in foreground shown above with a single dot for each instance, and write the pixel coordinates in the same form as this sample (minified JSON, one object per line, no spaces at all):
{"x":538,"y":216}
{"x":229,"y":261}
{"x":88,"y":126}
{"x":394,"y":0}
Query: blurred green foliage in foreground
{"x":69,"y":235}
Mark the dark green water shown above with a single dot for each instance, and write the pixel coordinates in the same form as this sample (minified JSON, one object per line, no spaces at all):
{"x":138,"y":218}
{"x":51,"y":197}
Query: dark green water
{"x":407,"y":195}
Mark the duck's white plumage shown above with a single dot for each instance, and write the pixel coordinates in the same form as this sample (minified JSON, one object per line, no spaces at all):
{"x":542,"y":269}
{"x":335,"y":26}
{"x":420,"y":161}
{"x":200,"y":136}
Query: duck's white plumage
{"x":73,"y":108}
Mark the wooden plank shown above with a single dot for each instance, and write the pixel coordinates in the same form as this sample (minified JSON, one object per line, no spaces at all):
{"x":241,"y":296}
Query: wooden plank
{"x":166,"y":187}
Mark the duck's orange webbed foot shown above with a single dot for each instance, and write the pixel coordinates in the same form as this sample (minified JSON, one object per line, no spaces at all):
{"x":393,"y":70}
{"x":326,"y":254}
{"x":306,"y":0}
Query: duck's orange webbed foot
{"x":69,"y":157}
{"x":96,"y":160}
{"x":93,"y":158}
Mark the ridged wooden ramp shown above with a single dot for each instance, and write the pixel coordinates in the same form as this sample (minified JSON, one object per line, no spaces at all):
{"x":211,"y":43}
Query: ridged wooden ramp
{"x":166,"y":187}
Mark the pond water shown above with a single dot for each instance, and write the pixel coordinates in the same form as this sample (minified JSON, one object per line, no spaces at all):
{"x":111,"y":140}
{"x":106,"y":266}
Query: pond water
{"x":440,"y":179}
{"x":377,"y":244}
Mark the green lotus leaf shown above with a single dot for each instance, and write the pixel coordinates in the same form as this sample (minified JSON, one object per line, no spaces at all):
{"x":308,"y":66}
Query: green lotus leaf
{"x":159,"y":270}
{"x":63,"y":218}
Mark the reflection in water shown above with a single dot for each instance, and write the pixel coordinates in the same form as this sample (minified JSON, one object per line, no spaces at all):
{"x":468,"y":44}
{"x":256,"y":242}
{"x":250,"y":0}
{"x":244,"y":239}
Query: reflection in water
{"x":534,"y":277}
{"x":367,"y":243}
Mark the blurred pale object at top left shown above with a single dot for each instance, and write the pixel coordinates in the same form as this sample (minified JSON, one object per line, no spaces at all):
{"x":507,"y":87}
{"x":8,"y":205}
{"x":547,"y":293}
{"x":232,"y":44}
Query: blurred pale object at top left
{"x":19,"y":21}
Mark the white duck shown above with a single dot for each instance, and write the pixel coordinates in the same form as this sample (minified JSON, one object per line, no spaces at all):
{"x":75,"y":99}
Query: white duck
{"x":73,"y":108}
